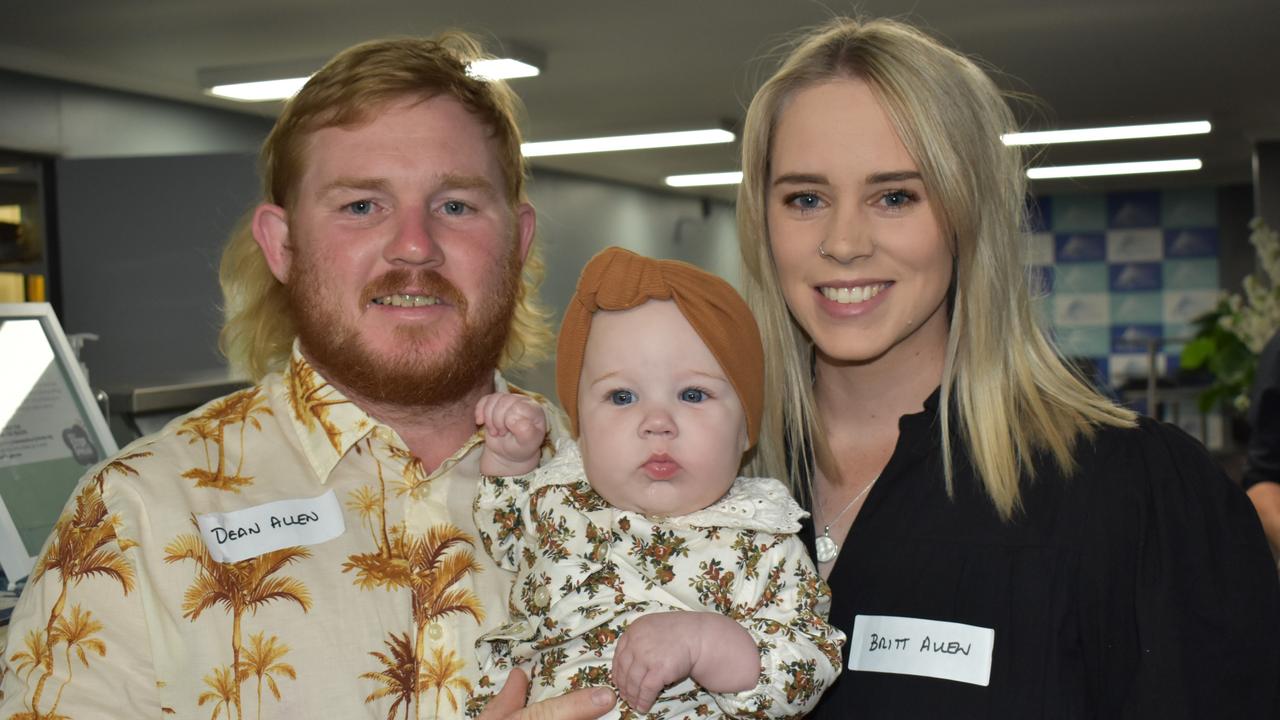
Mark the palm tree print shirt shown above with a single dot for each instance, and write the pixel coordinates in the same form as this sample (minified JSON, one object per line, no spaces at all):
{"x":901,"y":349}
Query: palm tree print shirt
{"x":277,"y":553}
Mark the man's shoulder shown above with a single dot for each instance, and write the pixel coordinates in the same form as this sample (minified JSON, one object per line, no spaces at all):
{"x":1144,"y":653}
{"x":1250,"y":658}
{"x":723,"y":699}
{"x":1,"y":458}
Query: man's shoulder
{"x":202,"y":442}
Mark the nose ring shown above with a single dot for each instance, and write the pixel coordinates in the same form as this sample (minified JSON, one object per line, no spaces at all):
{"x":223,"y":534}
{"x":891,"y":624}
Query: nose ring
{"x":823,"y":252}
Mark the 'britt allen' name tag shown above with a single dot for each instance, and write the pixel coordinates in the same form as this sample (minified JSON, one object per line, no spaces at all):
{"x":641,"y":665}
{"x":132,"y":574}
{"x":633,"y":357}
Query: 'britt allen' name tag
{"x":928,"y":648}
{"x":243,"y":534}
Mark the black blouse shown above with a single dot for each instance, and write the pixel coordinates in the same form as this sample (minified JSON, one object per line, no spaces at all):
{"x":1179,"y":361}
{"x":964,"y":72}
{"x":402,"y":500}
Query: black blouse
{"x":1138,"y":586}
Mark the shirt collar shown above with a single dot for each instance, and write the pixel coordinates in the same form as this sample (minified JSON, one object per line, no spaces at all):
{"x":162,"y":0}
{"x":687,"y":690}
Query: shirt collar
{"x":328,"y":424}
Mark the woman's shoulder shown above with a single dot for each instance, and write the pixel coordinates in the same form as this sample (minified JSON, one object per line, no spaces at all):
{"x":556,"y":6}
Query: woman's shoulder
{"x":1155,"y":462}
{"x":1163,"y":509}
{"x":1148,"y":442}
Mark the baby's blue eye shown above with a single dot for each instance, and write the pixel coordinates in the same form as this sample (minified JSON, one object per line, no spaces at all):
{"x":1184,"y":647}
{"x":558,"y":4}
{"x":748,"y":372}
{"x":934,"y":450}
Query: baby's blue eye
{"x":693,"y":395}
{"x":622,"y":397}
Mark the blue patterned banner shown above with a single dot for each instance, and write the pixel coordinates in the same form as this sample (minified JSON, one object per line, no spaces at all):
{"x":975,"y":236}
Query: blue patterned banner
{"x":1119,"y":270}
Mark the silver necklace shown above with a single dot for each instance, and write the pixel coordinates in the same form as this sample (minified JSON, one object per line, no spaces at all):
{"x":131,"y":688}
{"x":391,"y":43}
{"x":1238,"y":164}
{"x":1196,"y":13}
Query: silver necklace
{"x":827,"y":548}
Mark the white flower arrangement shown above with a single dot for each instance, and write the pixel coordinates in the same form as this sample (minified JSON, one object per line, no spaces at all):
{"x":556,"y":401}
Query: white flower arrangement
{"x":1230,"y":337}
{"x":1255,"y":316}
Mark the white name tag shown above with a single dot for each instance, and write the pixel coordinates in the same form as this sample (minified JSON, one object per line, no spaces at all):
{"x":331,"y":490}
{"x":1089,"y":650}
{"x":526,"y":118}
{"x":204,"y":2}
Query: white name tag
{"x":928,"y":648}
{"x":243,"y":534}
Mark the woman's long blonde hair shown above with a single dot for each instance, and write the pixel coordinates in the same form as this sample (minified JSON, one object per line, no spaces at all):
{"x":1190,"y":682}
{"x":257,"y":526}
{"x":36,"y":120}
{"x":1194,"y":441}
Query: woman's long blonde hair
{"x":1004,"y":383}
{"x":258,"y":332}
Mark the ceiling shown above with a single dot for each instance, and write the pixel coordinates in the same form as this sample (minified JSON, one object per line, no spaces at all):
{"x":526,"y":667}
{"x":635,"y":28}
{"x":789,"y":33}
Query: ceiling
{"x":616,"y":67}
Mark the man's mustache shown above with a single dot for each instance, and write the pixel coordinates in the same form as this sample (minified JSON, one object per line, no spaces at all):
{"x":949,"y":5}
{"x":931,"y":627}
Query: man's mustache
{"x":420,"y":282}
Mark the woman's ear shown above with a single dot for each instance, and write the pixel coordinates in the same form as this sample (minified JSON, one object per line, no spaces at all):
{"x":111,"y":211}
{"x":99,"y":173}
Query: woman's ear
{"x":271,"y":231}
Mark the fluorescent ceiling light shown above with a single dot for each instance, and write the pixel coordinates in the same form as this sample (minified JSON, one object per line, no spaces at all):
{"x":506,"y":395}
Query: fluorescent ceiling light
{"x":502,"y":69}
{"x":704,"y":179}
{"x":260,"y":81}
{"x":1125,"y":132}
{"x":282,"y":80}
{"x":1129,"y":168}
{"x":1040,"y":173}
{"x":626,"y":142}
{"x":261,"y":90}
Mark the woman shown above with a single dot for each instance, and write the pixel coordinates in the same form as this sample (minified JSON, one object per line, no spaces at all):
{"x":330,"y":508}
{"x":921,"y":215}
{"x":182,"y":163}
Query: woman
{"x":1001,"y":541}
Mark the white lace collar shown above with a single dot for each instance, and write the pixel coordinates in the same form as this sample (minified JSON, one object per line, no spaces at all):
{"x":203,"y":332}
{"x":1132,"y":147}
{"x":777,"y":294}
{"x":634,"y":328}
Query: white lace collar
{"x":762,"y":504}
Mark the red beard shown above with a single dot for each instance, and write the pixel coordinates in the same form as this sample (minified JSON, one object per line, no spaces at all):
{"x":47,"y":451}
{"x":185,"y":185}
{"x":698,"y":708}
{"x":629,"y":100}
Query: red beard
{"x":417,"y":376}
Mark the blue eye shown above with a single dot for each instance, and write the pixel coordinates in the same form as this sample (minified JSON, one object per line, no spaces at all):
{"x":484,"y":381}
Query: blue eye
{"x":804,"y":201}
{"x":693,"y":395}
{"x":622,"y":397}
{"x":360,"y":207}
{"x":897,"y":198}
{"x":454,"y":207}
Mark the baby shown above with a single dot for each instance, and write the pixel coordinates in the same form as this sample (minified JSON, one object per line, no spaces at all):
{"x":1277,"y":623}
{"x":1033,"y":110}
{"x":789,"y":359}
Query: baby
{"x":641,"y":559}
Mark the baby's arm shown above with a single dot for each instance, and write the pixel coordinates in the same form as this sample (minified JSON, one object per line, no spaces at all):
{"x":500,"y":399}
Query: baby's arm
{"x":659,"y":649}
{"x":783,"y":603}
{"x":514,"y":428}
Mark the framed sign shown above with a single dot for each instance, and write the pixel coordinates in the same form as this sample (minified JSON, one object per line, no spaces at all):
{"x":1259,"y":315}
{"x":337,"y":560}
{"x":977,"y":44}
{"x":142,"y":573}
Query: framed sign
{"x":51,"y":431}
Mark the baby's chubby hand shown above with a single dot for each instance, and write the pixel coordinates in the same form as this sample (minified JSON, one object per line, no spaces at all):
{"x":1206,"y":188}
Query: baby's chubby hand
{"x":514,"y":428}
{"x":659,"y":649}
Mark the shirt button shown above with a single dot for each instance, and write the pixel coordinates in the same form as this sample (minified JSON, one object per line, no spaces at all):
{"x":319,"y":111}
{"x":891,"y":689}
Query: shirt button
{"x":600,"y":552}
{"x":435,"y":631}
{"x":542,"y":597}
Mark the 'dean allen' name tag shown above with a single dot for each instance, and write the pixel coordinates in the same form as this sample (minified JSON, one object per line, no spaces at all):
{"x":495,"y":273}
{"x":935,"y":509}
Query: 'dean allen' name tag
{"x":243,"y":534}
{"x":928,"y":648}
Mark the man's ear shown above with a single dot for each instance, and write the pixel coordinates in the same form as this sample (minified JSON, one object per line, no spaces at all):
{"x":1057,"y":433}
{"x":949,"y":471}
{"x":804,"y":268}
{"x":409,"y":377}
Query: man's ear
{"x":526,"y":226}
{"x":271,"y":231}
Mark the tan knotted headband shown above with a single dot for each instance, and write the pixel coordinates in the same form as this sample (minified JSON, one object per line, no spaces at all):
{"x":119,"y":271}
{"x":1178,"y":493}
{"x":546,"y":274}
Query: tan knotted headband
{"x":617,"y":279}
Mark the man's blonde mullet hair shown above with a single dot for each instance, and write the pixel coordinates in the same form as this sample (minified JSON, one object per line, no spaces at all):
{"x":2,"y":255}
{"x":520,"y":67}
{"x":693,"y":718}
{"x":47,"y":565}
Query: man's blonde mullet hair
{"x":1007,"y":393}
{"x":258,"y":333}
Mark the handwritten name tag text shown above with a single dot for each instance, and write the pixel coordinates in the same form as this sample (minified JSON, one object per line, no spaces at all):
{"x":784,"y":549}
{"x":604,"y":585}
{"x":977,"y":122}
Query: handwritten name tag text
{"x":916,"y":646}
{"x":250,"y":532}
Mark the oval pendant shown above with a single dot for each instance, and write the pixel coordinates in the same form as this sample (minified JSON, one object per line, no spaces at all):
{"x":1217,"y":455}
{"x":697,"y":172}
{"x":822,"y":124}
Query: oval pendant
{"x":827,"y":549}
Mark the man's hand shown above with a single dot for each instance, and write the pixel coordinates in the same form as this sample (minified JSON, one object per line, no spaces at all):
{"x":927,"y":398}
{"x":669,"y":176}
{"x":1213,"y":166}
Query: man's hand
{"x":514,"y":428}
{"x":584,"y":704}
{"x":662,"y":648}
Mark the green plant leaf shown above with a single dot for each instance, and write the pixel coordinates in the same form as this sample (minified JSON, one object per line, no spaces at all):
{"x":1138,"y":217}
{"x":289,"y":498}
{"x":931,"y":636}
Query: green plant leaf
{"x":1197,"y":352}
{"x":1209,"y":399}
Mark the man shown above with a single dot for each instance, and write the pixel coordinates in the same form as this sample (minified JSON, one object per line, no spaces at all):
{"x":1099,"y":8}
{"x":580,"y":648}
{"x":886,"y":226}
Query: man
{"x":305,"y":548}
{"x":1262,"y":469}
